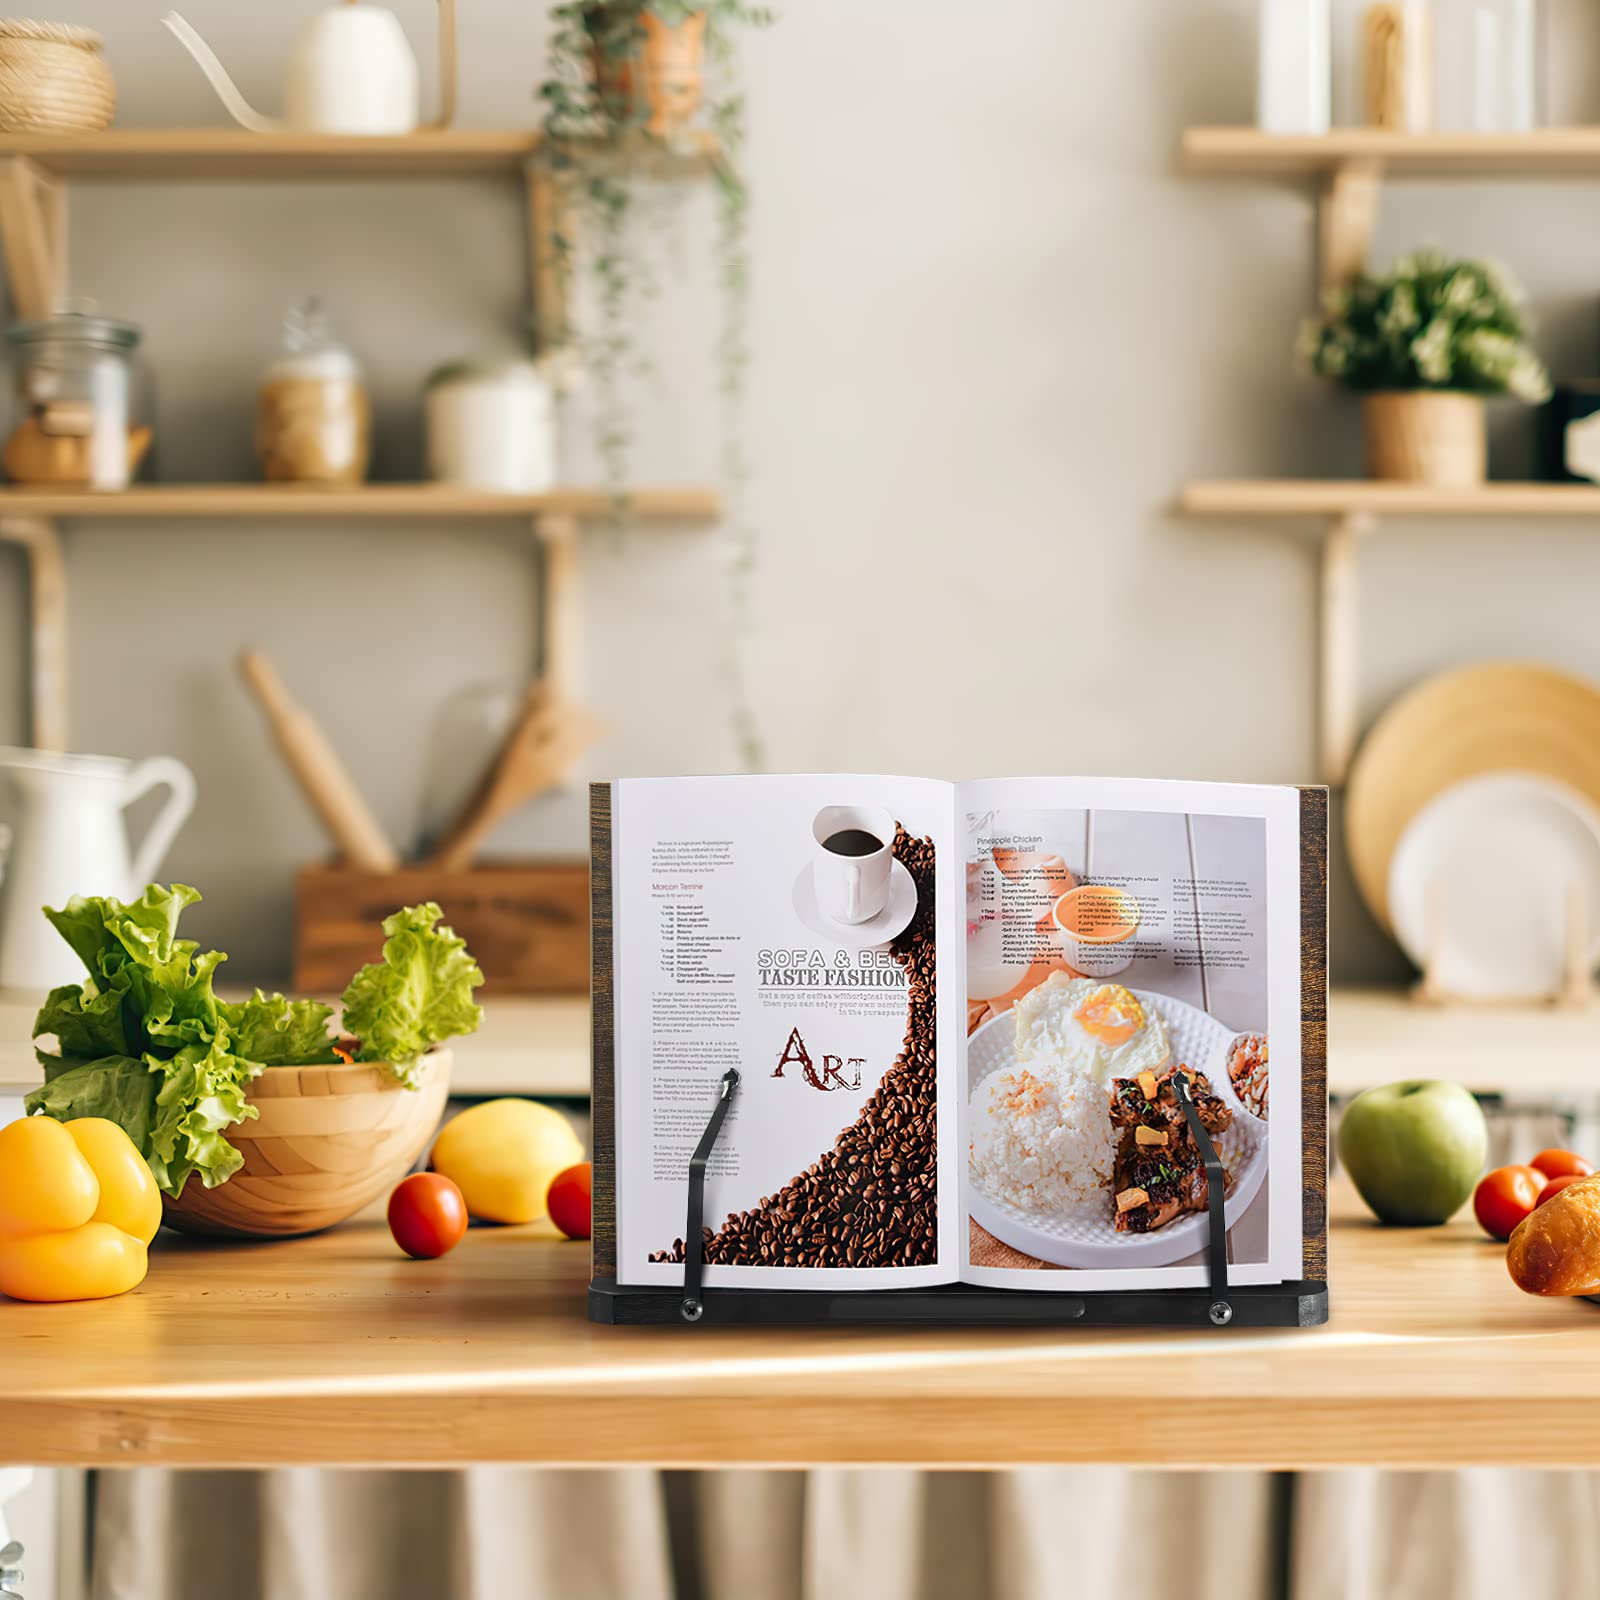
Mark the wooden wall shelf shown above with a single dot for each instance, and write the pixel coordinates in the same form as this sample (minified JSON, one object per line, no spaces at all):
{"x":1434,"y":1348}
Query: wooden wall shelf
{"x":388,"y":501}
{"x":1248,"y":152}
{"x":166,"y":154}
{"x":35,"y":174}
{"x":32,"y":517}
{"x":159,"y":154}
{"x":1339,"y":498}
{"x":1342,"y":514}
{"x":1351,"y":165}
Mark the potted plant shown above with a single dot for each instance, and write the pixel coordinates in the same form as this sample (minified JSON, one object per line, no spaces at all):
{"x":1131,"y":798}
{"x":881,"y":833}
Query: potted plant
{"x":627,"y":83}
{"x":1425,"y":344}
{"x":647,"y":62}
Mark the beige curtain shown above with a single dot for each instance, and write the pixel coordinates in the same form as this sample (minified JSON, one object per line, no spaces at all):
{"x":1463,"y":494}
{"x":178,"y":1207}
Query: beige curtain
{"x":497,"y":1533}
{"x":1038,"y":1534}
{"x":1476,"y":1535}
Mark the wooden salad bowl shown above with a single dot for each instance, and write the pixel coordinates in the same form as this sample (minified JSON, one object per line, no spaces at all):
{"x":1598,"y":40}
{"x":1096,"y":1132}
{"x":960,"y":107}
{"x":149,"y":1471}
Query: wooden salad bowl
{"x":327,"y":1142}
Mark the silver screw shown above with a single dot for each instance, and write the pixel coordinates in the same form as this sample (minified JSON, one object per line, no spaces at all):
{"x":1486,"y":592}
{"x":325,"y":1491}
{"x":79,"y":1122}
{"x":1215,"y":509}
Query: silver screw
{"x":692,"y":1310}
{"x":1221,"y":1313}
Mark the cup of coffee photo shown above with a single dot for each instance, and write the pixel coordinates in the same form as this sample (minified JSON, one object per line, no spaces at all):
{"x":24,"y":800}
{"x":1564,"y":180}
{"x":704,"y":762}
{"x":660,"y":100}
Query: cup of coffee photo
{"x":852,"y":862}
{"x":1098,"y":923}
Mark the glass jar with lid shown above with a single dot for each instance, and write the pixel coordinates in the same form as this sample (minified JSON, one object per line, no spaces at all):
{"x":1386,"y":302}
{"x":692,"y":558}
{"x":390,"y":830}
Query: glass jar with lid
{"x":82,"y":413}
{"x":313,"y":417}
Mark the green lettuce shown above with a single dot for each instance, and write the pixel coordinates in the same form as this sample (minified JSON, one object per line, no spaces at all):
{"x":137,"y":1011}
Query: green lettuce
{"x":144,"y":1041}
{"x":122,"y":1089}
{"x":418,"y":996}
{"x":278,"y":1032}
{"x":202,"y":1093}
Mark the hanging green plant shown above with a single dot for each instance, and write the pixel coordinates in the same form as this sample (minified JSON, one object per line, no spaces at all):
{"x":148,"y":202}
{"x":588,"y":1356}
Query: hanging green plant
{"x":632,"y":86}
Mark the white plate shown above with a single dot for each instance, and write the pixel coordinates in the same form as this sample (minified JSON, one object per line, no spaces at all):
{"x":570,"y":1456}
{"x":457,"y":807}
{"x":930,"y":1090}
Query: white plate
{"x":1503,"y":849}
{"x":895,"y":917}
{"x":1084,"y":1236}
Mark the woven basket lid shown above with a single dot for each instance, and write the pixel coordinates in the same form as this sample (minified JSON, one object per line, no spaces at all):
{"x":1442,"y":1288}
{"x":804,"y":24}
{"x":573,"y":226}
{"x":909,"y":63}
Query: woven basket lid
{"x":51,"y":32}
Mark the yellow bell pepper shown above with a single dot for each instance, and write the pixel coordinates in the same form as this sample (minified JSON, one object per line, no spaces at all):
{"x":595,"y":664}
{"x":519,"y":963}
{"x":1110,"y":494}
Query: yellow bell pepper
{"x":78,"y":1208}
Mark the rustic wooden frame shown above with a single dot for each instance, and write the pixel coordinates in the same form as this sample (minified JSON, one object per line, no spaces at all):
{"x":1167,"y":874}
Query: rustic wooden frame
{"x":1314,"y":1033}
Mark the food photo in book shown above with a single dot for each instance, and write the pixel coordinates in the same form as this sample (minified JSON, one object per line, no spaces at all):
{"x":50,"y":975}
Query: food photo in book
{"x":1108,"y":953}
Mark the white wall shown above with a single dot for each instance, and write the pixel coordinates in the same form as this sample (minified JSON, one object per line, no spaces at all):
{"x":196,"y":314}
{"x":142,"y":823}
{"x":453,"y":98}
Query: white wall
{"x":995,"y":331}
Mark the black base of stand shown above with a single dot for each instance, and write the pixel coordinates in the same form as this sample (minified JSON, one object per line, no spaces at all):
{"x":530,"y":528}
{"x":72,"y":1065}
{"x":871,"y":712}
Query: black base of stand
{"x":1218,"y":1305}
{"x":1279,"y":1305}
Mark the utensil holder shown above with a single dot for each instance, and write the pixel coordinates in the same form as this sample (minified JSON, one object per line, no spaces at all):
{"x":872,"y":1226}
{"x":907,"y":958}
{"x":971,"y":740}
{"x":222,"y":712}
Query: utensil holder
{"x":526,"y":922}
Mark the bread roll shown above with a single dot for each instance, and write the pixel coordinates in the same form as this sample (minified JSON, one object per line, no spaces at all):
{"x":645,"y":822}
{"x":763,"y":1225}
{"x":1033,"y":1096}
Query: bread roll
{"x":1556,"y":1249}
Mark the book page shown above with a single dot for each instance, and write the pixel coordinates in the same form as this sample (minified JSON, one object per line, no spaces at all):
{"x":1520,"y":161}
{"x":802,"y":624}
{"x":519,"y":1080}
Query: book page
{"x":1118,"y":932}
{"x":794,"y":929}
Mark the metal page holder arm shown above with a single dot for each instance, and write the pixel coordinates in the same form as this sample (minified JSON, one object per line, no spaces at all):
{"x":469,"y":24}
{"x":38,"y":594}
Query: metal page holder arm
{"x":692,"y":1308}
{"x":1216,"y":1200}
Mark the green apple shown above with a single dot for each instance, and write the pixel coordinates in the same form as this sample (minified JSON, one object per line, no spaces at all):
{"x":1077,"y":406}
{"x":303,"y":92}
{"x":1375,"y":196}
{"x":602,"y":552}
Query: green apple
{"x":1414,"y":1150}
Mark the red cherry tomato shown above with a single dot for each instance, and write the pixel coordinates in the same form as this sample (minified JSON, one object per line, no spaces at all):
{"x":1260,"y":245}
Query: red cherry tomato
{"x":569,"y":1201}
{"x":1556,"y":1185}
{"x":427,"y":1215}
{"x":1505,"y":1197}
{"x":1562,"y":1164}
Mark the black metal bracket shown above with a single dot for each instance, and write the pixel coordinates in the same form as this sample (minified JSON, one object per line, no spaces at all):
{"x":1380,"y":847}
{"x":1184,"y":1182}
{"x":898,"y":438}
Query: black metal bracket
{"x":691,"y":1308}
{"x":1220,"y":1310}
{"x":1216,"y":1202}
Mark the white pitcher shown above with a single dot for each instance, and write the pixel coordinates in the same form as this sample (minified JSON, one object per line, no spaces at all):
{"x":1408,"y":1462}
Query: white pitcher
{"x":71,"y":839}
{"x":352,"y":71}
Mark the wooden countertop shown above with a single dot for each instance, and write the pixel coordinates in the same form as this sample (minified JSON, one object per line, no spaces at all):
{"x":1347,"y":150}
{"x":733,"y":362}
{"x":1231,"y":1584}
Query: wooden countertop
{"x":1543,"y":1053}
{"x":337,"y":1350}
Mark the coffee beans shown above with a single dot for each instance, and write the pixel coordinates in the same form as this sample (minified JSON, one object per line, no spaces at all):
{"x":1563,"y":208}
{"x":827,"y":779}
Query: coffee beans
{"x":871,"y":1201}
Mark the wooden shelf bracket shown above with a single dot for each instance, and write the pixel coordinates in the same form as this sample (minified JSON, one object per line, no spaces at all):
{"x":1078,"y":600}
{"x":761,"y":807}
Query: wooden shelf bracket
{"x":1341,"y":642}
{"x":33,"y":227}
{"x":47,"y":595}
{"x":1347,"y":218}
{"x":560,"y":606}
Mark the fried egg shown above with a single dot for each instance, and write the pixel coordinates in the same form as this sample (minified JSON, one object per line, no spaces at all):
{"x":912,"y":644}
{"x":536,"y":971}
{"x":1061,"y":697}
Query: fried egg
{"x":1100,"y":1029}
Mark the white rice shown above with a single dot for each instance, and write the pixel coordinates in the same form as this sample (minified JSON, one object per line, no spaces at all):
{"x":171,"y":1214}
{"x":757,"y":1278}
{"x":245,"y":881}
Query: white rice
{"x":1041,"y":1137}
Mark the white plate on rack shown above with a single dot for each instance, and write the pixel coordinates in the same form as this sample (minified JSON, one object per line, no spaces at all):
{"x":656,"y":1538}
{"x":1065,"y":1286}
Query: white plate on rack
{"x":1501,"y":852}
{"x":1084,"y":1236}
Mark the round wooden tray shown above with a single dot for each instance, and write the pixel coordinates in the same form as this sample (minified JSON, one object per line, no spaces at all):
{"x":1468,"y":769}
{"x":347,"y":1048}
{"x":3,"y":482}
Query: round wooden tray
{"x":1500,"y":717}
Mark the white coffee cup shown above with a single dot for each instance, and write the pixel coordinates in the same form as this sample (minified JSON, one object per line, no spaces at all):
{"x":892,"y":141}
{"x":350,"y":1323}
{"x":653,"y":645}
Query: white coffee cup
{"x":852,"y":887}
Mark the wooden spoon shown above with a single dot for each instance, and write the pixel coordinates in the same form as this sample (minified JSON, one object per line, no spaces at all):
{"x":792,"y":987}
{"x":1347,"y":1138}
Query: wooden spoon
{"x":545,"y":742}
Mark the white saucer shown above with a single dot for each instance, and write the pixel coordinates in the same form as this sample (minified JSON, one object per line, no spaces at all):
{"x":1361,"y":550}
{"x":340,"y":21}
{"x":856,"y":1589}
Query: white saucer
{"x":896,"y":915}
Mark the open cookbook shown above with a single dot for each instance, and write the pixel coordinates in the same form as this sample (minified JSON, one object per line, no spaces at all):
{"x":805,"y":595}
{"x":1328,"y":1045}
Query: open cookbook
{"x":959,"y":1014}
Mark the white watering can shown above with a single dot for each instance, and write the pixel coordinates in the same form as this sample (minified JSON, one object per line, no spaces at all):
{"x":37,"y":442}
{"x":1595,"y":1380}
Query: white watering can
{"x":352,"y":71}
{"x":71,"y":839}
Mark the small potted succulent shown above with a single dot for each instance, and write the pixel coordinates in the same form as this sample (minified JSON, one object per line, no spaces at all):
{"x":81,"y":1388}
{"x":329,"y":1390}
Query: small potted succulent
{"x":1425,"y":344}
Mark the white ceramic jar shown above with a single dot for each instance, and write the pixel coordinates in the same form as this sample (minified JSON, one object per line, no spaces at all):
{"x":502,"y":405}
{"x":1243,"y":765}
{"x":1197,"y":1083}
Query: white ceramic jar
{"x":1294,"y":86}
{"x":492,"y":426}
